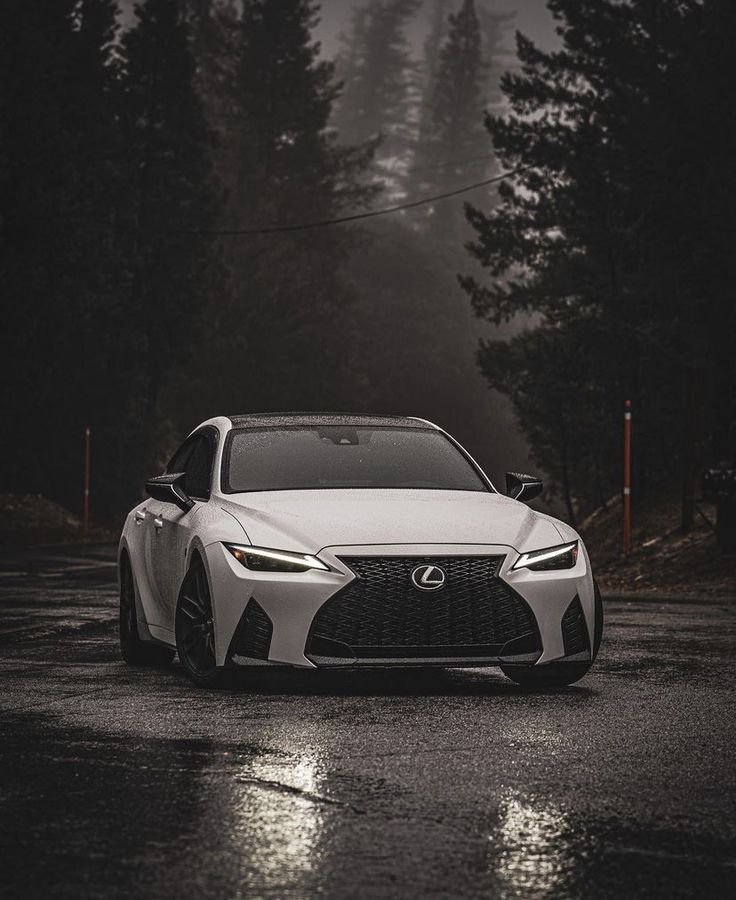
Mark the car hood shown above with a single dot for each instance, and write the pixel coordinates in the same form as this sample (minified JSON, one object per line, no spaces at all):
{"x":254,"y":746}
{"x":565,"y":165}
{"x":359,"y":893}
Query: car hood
{"x":310,"y":520}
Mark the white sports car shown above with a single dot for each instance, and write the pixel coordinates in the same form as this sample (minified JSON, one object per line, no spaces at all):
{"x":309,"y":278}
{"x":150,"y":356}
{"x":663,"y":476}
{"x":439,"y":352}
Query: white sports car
{"x":345,"y":540}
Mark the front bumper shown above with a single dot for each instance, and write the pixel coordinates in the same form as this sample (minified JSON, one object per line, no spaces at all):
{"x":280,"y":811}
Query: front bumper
{"x":266,"y":617}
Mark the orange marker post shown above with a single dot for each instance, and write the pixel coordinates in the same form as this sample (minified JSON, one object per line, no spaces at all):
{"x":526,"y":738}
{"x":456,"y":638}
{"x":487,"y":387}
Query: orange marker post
{"x":627,"y":479}
{"x":85,"y":504}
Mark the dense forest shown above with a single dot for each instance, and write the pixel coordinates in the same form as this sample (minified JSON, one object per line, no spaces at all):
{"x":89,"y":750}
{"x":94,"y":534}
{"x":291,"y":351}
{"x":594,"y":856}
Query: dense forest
{"x":125,"y":141}
{"x":156,"y":175}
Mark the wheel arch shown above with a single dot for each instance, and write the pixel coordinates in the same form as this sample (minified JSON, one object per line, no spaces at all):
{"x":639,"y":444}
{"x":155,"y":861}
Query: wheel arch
{"x":196,"y":554}
{"x":197,"y":551}
{"x":123,"y":553}
{"x":125,"y":557}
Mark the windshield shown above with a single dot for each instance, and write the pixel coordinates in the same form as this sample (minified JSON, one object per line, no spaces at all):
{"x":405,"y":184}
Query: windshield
{"x":304,"y":457}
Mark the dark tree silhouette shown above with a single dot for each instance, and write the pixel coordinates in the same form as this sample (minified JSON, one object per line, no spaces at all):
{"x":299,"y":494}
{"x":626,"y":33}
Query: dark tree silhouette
{"x":287,"y":169}
{"x":617,"y":239}
{"x":59,"y":262}
{"x":172,"y":274}
{"x":453,"y":130}
{"x":428,"y":67}
{"x":378,"y":74}
{"x":497,"y":53}
{"x":118,"y":154}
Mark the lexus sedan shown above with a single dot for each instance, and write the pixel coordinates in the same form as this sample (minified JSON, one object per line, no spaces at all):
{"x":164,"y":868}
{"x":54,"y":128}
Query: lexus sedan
{"x":314,"y":540}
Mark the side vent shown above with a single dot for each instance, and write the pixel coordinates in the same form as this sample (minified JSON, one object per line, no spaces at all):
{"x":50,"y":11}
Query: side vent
{"x":574,"y":629}
{"x":252,"y":637}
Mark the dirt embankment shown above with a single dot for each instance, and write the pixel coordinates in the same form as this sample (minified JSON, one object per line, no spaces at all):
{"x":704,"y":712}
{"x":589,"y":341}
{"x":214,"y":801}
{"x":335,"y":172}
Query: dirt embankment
{"x":32,"y":519}
{"x":664,"y":561}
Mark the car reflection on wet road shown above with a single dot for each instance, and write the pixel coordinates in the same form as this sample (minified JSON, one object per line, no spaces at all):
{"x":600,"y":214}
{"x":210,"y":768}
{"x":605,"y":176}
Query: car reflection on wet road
{"x":116,"y":782}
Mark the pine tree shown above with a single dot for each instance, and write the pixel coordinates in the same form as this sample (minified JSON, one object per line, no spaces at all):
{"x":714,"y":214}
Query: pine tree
{"x":432,"y":46}
{"x":349,"y":66}
{"x":454,"y":132}
{"x":59,"y":260}
{"x":498,"y":58}
{"x":213,"y":26}
{"x":457,"y":101}
{"x":173,"y":275}
{"x":289,"y":169}
{"x":378,"y":75}
{"x":615,"y":239}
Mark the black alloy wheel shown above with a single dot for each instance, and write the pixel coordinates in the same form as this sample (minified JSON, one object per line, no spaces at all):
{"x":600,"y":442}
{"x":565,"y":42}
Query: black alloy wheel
{"x":135,"y":651}
{"x":195,"y":630}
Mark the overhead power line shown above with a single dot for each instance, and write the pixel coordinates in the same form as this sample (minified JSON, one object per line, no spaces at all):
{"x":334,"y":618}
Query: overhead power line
{"x":356,"y":217}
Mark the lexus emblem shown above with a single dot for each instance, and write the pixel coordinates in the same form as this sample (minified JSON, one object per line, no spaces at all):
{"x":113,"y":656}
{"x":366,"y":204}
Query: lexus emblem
{"x":428,"y":578}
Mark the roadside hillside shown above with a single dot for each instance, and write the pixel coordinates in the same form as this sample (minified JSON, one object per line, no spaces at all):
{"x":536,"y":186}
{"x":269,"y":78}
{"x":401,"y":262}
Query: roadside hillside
{"x":663,"y":561}
{"x":33,"y":519}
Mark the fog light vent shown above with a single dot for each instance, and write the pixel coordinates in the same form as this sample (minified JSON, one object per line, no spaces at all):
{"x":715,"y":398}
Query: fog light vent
{"x":574,"y":629}
{"x":253,"y":634}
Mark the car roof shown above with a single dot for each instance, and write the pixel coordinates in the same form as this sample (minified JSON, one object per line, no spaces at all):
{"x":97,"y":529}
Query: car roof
{"x":255,"y":420}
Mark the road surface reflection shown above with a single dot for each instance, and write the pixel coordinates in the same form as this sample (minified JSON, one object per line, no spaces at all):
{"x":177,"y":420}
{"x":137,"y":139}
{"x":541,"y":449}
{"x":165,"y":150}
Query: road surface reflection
{"x":279,"y":815}
{"x":531,"y":848}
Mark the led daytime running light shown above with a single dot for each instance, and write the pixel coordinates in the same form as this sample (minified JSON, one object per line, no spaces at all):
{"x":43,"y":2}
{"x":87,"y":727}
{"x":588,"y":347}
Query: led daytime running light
{"x":241,"y":553}
{"x":539,"y":556}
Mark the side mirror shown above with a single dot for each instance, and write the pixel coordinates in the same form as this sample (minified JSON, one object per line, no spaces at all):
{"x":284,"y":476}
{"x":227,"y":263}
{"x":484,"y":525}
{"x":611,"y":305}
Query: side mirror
{"x":523,"y":487}
{"x":168,"y":489}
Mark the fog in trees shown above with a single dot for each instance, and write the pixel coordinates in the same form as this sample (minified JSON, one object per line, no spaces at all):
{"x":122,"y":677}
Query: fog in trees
{"x":170,"y":174}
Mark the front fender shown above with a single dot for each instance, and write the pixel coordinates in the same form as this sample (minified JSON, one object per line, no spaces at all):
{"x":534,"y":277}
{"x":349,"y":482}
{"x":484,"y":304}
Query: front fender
{"x":131,"y":545}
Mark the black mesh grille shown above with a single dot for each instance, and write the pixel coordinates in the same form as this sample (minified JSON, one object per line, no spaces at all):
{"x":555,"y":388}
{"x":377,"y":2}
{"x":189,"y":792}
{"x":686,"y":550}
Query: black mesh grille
{"x":574,"y":629}
{"x":382,"y":615}
{"x":253,"y":634}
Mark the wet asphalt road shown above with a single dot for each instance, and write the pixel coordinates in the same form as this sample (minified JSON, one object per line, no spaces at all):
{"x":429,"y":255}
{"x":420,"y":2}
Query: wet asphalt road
{"x":117,"y":782}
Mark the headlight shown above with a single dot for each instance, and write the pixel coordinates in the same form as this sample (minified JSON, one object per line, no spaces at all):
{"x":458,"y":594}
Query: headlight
{"x":261,"y":559}
{"x":563,"y":557}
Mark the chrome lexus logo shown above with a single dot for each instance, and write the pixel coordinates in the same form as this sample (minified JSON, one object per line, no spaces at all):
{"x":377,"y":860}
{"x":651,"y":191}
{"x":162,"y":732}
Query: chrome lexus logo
{"x":428,"y":578}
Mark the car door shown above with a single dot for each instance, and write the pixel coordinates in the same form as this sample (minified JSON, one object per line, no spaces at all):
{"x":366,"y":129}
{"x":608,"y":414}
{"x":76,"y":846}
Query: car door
{"x":156,"y":549}
{"x":172,"y":527}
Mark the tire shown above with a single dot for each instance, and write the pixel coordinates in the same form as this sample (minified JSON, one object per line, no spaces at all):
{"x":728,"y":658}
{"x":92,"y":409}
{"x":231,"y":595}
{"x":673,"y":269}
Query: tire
{"x":195,"y":634}
{"x":560,"y":674}
{"x":135,"y":651}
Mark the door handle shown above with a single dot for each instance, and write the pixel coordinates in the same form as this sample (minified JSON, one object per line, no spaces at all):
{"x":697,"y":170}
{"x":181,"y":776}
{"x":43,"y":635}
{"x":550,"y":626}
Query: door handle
{"x":158,"y":524}
{"x":140,"y":517}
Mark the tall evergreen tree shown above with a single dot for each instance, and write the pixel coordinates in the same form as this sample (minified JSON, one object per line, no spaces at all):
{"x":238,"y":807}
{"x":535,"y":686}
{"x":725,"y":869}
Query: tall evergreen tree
{"x":379,"y":81}
{"x":457,"y":100}
{"x":428,"y":68}
{"x":289,"y":169}
{"x":173,"y":274}
{"x":58,"y":257}
{"x":455,"y":129}
{"x":428,"y":173}
{"x":213,"y":26}
{"x":615,"y":238}
{"x":349,"y":65}
{"x":497,"y":55}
